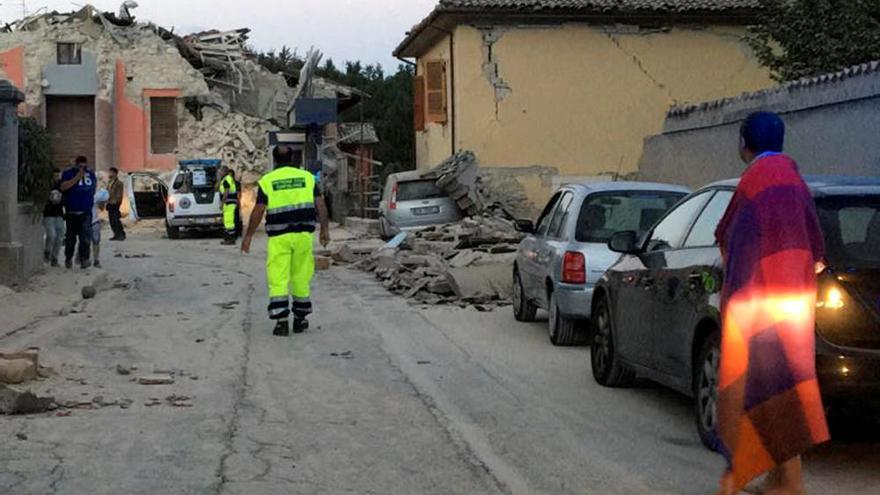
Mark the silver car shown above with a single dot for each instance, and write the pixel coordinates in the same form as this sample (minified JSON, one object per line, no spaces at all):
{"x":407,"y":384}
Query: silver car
{"x":566,"y":251}
{"x":410,"y":202}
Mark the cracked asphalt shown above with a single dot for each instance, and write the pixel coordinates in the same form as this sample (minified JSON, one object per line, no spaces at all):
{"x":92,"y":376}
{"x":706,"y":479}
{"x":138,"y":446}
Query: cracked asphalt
{"x":378,"y":397}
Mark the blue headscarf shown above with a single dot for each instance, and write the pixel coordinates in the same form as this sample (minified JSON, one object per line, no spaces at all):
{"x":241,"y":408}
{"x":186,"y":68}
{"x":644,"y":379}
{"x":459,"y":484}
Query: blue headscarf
{"x":762,"y":132}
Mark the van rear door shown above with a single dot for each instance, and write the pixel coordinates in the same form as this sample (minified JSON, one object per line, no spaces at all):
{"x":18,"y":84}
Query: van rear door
{"x":147,"y":195}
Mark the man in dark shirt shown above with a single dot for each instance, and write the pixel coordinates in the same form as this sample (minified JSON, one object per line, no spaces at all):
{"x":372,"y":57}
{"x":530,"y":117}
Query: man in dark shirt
{"x":117,"y":191}
{"x":53,"y":221}
{"x":78,"y":184}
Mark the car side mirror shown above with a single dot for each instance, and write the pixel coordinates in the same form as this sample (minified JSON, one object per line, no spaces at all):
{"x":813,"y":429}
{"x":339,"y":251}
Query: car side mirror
{"x":524,"y":226}
{"x":624,"y":242}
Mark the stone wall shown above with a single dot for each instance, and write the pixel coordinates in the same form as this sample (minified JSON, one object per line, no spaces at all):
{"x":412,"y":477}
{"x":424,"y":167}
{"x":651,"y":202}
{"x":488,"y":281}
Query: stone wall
{"x":831,"y":120}
{"x":21,"y":234}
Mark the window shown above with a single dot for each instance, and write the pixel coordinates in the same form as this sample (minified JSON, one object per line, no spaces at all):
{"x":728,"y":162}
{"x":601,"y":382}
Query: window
{"x":544,"y":219}
{"x":557,"y":224}
{"x":419,"y":103}
{"x":703,"y":232}
{"x":670,"y":232}
{"x":69,"y":54}
{"x":851,"y":225}
{"x":418,"y":189}
{"x":602,"y":214}
{"x":163,"y":125}
{"x":435,"y":91}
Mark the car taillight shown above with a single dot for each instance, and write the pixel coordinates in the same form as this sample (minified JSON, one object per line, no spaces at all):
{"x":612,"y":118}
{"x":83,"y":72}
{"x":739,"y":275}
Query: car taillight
{"x":171,"y":204}
{"x":574,"y":268}
{"x":393,"y":203}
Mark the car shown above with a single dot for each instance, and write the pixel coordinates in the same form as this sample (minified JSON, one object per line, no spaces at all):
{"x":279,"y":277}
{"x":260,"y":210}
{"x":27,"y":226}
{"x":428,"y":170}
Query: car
{"x":657,"y":308}
{"x":561,"y":258}
{"x":410,"y":202}
{"x":191,"y":201}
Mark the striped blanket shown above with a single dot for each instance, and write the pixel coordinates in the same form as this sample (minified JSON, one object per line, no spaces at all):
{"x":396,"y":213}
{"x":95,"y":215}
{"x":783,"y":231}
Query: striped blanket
{"x":769,"y":407}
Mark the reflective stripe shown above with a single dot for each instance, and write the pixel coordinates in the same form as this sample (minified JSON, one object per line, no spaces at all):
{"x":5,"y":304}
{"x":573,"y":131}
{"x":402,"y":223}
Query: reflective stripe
{"x":302,"y":300}
{"x":281,"y":299}
{"x":296,"y":207}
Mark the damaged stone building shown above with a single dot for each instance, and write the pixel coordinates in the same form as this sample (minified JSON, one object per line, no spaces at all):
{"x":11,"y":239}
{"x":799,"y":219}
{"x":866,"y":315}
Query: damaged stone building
{"x":139,"y":97}
{"x":550,"y":91}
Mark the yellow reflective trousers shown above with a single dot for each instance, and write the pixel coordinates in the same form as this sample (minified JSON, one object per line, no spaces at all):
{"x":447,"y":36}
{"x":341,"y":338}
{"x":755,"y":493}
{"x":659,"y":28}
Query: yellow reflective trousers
{"x":290,"y":266}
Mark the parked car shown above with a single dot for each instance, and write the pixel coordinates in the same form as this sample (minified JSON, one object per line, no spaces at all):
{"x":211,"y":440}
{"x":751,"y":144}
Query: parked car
{"x":410,"y":202}
{"x":561,"y":259}
{"x":657,"y":308}
{"x":191,"y":201}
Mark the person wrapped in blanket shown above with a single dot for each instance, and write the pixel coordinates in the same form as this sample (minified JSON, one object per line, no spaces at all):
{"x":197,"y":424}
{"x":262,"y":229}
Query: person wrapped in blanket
{"x":769,"y":408}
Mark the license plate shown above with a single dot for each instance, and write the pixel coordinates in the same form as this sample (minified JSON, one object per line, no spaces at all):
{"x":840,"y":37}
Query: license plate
{"x":205,"y":221}
{"x":426,"y":210}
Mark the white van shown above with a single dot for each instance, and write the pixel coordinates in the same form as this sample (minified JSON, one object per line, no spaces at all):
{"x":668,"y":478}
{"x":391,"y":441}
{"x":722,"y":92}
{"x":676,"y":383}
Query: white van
{"x":189,"y":201}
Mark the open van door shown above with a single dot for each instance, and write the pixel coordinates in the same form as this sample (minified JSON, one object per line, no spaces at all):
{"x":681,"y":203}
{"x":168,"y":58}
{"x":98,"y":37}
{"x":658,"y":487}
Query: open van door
{"x":147,"y":195}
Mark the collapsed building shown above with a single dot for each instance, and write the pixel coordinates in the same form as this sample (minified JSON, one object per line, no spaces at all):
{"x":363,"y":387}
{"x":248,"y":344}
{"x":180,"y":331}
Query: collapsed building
{"x":140,"y":97}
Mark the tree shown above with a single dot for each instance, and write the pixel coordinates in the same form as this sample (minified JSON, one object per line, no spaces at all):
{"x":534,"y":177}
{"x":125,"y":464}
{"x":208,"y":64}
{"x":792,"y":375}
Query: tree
{"x":34,"y":161}
{"x":803,"y":38}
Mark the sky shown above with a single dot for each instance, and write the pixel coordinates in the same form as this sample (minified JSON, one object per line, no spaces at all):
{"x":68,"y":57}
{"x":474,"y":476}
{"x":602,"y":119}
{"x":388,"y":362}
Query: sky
{"x":365,"y":30}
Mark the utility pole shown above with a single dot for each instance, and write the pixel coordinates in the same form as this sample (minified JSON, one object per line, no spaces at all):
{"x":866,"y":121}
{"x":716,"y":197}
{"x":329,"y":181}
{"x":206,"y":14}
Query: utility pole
{"x":24,"y":9}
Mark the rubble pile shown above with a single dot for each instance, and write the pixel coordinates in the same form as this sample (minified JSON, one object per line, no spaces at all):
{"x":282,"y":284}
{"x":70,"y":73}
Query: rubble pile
{"x":478,"y":190}
{"x":468,"y":262}
{"x":238,"y":139}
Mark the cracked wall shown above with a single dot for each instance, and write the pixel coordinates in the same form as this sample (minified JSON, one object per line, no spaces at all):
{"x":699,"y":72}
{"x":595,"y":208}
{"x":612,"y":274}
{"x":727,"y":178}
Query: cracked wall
{"x":580,"y":98}
{"x":492,"y":66}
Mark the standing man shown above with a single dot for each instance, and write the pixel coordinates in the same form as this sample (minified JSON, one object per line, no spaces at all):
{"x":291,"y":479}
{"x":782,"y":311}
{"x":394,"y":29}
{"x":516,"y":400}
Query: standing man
{"x":78,"y":184}
{"x":293,"y":205}
{"x":229,"y":200}
{"x":53,"y":221}
{"x":769,"y":407}
{"x":117,"y":191}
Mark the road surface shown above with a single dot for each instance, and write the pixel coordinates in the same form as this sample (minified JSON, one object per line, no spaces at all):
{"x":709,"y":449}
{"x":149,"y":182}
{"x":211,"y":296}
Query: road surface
{"x":379,"y":397}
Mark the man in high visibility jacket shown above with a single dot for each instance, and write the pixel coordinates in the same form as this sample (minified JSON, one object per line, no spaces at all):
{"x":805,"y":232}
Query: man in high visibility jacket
{"x":229,"y":200}
{"x":293,"y":205}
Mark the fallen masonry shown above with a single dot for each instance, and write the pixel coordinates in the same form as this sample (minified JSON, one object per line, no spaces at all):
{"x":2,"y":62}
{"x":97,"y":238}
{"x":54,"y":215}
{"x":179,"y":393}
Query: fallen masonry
{"x":464,"y":263}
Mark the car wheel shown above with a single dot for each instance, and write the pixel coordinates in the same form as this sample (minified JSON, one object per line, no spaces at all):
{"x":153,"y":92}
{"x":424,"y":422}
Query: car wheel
{"x":607,"y":368}
{"x":562,"y":330}
{"x":706,"y":390}
{"x":523,"y":309}
{"x":173,"y":232}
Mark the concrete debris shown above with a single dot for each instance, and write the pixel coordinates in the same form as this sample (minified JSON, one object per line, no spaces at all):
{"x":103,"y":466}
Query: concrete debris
{"x":468,"y":262}
{"x":460,"y":176}
{"x":19,"y":366}
{"x":235,"y":138}
{"x":123,"y":370}
{"x":15,"y":402}
{"x":323,"y":262}
{"x":156,"y":380}
{"x":89,"y":292}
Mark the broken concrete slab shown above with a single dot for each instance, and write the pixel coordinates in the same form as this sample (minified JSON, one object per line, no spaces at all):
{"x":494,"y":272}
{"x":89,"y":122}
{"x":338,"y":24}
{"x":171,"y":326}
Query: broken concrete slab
{"x":15,"y":402}
{"x":323,"y":263}
{"x":492,"y":281}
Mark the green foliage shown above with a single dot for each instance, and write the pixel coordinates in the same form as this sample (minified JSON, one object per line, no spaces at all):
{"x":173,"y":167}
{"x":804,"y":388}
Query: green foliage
{"x":803,"y":38}
{"x":389,"y":109}
{"x":34,"y":161}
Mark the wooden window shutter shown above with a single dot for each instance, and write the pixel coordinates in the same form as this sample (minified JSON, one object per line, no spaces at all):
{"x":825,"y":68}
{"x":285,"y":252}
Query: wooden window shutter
{"x":419,"y":102}
{"x":435,"y":89}
{"x":163,"y":125}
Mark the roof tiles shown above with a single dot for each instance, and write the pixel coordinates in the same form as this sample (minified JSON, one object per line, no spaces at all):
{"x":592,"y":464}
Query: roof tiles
{"x":602,"y":5}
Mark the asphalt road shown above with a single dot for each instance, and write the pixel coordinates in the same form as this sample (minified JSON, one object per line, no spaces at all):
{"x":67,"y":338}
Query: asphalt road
{"x":379,"y":397}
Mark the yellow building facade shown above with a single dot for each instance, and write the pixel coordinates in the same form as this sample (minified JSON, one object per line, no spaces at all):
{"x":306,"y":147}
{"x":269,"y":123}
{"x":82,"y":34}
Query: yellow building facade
{"x":563,"y":97}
